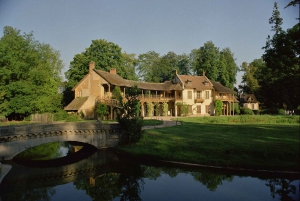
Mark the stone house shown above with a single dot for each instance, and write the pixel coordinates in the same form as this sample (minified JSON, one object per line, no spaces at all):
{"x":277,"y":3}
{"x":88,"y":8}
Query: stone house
{"x":197,"y":92}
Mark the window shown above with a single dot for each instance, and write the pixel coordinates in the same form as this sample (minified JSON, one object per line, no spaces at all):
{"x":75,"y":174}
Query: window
{"x":190,"y":109}
{"x":206,"y":94}
{"x":199,"y":109}
{"x":207,"y":110}
{"x":189,"y":94}
{"x":199,"y":94}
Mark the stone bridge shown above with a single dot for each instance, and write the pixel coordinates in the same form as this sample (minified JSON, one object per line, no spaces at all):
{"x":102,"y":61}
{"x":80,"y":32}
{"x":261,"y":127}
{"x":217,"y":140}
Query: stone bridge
{"x":15,"y":139}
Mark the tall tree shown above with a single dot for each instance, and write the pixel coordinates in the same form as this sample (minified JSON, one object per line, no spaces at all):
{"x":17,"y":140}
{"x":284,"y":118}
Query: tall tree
{"x":280,"y":78}
{"x":29,"y":75}
{"x":207,"y":60}
{"x":184,"y":64}
{"x":147,"y":63}
{"x":106,"y":55}
{"x":165,"y":67}
{"x":218,"y":65}
{"x":130,"y":64}
{"x":276,"y":20}
{"x":228,"y":68}
{"x":249,"y":82}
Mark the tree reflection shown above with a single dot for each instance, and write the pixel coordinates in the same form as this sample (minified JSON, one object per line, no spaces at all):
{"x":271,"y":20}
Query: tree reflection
{"x":211,"y":181}
{"x":127,"y":185}
{"x":281,"y":187}
{"x":132,"y":183}
{"x":103,"y":187}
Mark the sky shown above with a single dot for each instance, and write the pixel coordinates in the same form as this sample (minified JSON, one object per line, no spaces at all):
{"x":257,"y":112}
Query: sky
{"x":138,"y":26}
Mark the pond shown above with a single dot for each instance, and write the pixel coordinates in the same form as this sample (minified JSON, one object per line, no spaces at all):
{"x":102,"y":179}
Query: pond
{"x":105,"y":175}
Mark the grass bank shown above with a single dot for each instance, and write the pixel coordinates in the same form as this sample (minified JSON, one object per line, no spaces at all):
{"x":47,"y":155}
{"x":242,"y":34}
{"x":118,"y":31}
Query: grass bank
{"x":267,"y":142}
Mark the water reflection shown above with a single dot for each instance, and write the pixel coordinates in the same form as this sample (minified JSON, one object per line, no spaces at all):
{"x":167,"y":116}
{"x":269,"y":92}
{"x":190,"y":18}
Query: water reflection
{"x":106,"y":176}
{"x":55,"y":154}
{"x":282,"y":187}
{"x":51,"y":150}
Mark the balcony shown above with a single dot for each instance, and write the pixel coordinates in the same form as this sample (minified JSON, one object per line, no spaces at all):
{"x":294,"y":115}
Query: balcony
{"x":199,"y":100}
{"x":155,"y":98}
{"x":224,"y":98}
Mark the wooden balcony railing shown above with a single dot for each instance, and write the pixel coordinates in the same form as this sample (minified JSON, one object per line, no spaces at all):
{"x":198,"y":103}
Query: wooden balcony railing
{"x":155,"y":98}
{"x":199,"y":100}
{"x":224,"y":98}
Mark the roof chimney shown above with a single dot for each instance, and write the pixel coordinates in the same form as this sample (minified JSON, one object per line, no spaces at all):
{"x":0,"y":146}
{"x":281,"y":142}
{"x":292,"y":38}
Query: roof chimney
{"x":92,"y":66}
{"x":113,"y":71}
{"x":203,"y":73}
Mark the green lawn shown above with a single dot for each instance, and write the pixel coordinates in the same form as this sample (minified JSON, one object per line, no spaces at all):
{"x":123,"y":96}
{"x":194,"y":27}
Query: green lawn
{"x":255,"y":144}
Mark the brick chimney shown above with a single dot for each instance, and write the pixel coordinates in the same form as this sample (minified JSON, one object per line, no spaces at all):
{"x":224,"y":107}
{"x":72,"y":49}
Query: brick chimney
{"x":92,"y":66}
{"x":203,"y":73}
{"x":113,"y":71}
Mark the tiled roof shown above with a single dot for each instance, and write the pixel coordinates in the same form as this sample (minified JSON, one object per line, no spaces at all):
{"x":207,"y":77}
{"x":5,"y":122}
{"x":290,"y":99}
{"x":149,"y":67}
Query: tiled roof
{"x":195,"y":82}
{"x":115,"y":79}
{"x":222,"y":89}
{"x":249,"y":98}
{"x":76,"y":103}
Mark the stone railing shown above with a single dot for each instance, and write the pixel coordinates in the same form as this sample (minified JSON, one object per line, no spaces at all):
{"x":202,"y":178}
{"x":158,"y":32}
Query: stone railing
{"x":13,"y":133}
{"x":15,"y":139}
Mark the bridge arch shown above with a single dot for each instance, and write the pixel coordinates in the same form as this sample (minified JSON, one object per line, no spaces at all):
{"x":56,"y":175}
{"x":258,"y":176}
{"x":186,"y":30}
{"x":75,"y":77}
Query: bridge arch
{"x":15,"y":139}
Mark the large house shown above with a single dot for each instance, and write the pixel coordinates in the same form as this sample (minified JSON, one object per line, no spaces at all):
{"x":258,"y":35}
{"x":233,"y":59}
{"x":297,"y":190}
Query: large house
{"x":197,"y":92}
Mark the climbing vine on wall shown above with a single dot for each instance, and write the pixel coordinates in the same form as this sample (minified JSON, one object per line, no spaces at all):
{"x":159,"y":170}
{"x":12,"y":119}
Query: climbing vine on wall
{"x":218,"y":107}
{"x":157,"y":106}
{"x":150,"y":109}
{"x":165,"y":109}
{"x":183,"y":108}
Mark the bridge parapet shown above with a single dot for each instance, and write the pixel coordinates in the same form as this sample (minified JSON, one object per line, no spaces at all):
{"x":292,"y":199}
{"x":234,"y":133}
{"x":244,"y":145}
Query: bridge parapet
{"x":15,"y":139}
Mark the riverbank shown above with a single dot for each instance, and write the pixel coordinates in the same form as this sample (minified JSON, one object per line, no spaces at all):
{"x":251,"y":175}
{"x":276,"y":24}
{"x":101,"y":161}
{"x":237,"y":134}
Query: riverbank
{"x":258,"y":144}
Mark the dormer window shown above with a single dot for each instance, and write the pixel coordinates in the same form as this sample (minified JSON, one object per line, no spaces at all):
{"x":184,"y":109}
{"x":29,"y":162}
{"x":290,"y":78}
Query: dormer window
{"x":188,"y":81}
{"x":205,"y":83}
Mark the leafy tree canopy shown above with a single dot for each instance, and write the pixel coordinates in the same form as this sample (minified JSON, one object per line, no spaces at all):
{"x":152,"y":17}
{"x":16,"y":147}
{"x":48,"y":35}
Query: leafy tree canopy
{"x":29,"y":75}
{"x":106,"y":55}
{"x":280,"y":78}
{"x":218,"y":65}
{"x":249,"y":79}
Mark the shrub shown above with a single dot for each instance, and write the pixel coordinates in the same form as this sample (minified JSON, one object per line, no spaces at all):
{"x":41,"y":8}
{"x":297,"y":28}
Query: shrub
{"x":101,"y":110}
{"x":256,"y":112}
{"x":272,"y":111}
{"x":246,"y":111}
{"x":73,"y":117}
{"x":218,"y":107}
{"x":60,"y":115}
{"x":129,"y":117}
{"x":236,"y":109}
{"x":281,"y":112}
{"x":132,"y":128}
{"x":116,"y":93}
